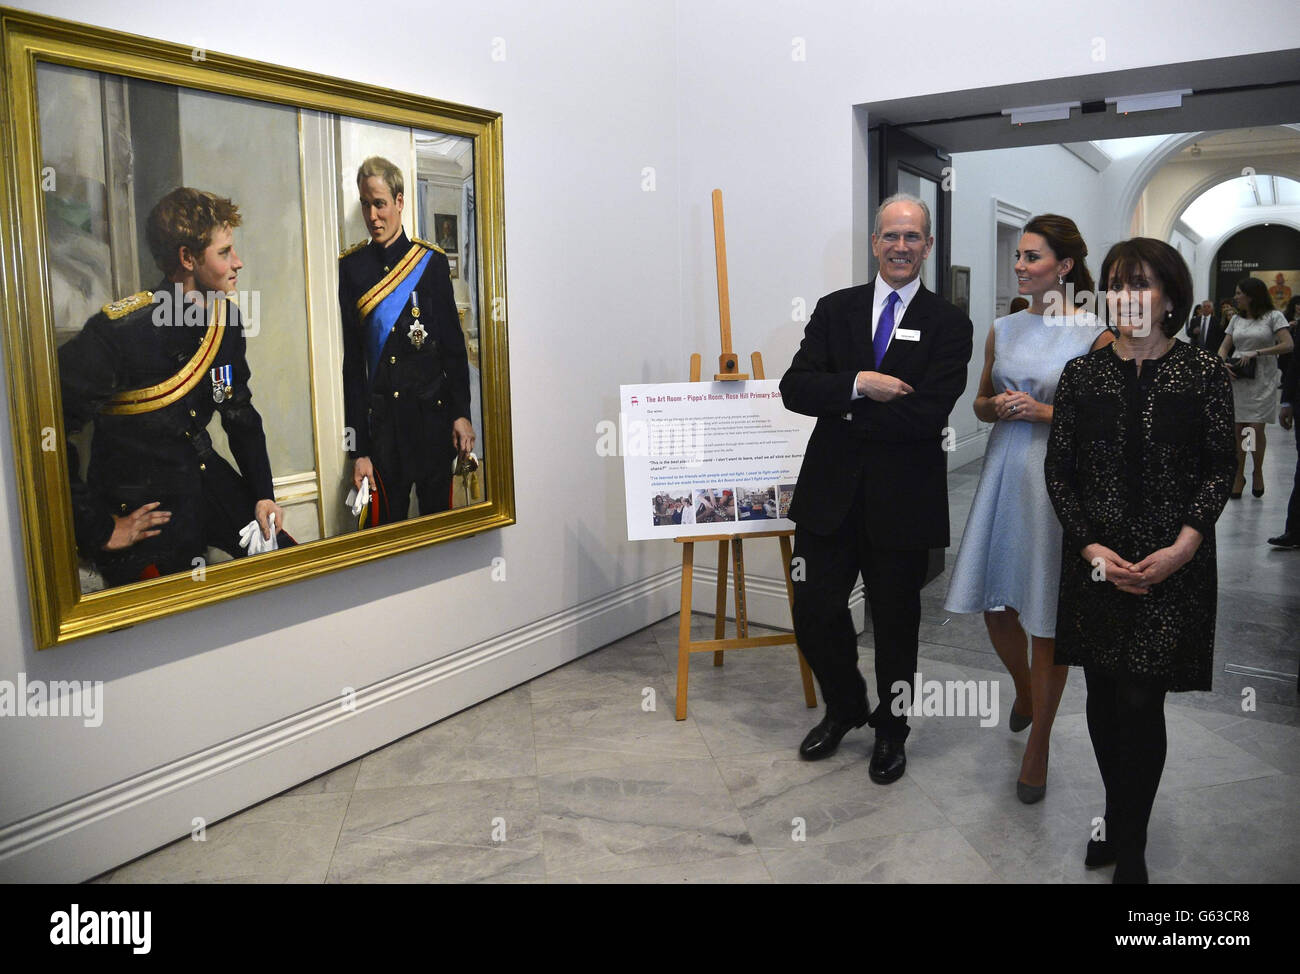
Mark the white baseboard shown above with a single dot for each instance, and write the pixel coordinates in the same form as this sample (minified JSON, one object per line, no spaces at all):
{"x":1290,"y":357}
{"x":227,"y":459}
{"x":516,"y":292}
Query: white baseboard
{"x":92,"y":834}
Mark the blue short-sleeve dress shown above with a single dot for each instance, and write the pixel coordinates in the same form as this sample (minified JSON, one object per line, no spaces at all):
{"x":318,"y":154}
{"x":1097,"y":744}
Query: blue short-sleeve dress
{"x":1010,"y":554}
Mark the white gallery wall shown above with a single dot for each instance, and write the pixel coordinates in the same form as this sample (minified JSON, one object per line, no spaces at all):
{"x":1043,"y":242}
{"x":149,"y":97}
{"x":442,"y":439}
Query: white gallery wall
{"x":607,"y":283}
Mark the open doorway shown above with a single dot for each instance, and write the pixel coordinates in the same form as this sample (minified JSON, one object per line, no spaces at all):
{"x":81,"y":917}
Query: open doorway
{"x":1206,"y":158}
{"x":1098,"y":161}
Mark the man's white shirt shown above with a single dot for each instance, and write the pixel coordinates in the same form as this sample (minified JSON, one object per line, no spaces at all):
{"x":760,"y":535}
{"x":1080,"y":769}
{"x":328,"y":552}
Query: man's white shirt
{"x":881,"y":295}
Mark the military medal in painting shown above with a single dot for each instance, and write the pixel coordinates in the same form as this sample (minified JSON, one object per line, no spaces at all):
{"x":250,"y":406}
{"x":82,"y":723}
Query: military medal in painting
{"x":416,"y":333}
{"x":223,"y":378}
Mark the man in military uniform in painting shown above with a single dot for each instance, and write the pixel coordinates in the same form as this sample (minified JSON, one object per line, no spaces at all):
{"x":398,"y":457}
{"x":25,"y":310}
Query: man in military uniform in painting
{"x":405,"y":369}
{"x":149,"y":371}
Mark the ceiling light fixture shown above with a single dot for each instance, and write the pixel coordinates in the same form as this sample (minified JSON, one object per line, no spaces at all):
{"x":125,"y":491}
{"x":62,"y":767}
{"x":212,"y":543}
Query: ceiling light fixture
{"x":1041,"y":113}
{"x":1149,"y":102}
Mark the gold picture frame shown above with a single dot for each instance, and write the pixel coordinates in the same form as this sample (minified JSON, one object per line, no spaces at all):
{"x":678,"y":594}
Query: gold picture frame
{"x":62,"y":608}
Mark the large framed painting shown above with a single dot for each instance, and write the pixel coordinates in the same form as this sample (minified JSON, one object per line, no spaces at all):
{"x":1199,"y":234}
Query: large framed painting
{"x":254,"y":322}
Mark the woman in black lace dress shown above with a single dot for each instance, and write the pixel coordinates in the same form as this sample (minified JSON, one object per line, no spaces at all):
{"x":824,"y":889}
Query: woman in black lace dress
{"x":1139,"y":465}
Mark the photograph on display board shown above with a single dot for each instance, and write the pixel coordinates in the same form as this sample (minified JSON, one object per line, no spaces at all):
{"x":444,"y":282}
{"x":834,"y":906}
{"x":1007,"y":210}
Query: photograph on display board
{"x":784,"y":495}
{"x":715,"y":505}
{"x":673,"y":507}
{"x":756,"y":503}
{"x":249,"y":358}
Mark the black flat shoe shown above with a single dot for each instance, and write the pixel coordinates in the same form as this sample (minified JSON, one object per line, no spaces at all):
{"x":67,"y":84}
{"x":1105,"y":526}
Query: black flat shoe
{"x":1285,"y":541}
{"x":1100,"y":853}
{"x":823,"y":739}
{"x":1130,"y":871}
{"x":1257,"y":491}
{"x":888,"y":761}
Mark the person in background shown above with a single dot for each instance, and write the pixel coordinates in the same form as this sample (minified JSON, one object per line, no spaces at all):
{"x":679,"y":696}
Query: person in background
{"x":1292,"y":316}
{"x":1257,"y":332}
{"x":1290,"y":536}
{"x":1227,"y":311}
{"x":1205,"y":330}
{"x":1009,"y":562}
{"x":1139,"y":464}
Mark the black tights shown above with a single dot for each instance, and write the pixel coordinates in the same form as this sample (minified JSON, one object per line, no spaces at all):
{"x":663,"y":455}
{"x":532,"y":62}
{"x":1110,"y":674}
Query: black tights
{"x":1126,"y":721}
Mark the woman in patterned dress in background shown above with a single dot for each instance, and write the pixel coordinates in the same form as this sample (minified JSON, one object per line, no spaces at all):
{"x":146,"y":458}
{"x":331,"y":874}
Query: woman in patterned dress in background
{"x":1139,"y":465}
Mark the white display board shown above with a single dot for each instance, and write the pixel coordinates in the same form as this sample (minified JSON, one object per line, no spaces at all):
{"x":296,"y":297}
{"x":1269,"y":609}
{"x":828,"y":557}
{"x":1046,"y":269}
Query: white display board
{"x":703,"y":458}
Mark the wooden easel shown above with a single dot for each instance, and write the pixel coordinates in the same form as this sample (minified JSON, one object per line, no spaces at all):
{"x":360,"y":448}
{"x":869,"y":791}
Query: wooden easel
{"x":742,"y":640}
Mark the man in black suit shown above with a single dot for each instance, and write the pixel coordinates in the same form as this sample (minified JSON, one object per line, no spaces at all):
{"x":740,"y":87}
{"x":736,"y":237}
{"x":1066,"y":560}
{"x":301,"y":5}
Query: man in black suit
{"x":1204,"y":329}
{"x":880,"y":366}
{"x":1290,"y":537}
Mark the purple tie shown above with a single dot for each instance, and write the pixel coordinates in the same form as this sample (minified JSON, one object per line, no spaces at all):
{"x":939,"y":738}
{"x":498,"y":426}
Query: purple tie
{"x":884,"y":327}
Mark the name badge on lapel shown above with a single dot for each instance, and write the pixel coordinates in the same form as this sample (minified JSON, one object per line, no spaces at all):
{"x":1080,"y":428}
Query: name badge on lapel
{"x":416,"y":332}
{"x":223,"y":383}
{"x":907,"y":334}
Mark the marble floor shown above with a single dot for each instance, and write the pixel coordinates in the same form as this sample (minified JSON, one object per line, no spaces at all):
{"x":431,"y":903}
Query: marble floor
{"x":583,"y":775}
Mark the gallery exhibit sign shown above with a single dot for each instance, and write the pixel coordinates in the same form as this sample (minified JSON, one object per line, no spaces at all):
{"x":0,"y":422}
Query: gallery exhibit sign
{"x":708,"y":458}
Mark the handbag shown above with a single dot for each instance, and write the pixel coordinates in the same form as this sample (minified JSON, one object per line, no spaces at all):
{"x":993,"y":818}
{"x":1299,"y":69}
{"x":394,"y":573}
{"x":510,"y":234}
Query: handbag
{"x":1242,"y":368}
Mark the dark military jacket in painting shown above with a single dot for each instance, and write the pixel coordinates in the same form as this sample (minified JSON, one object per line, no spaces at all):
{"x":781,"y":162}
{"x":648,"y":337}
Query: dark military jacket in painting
{"x":401,"y":403}
{"x":149,"y":374}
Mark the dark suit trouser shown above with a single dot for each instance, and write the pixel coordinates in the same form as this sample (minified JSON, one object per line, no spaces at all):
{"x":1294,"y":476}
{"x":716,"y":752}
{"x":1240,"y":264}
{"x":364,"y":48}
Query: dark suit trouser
{"x":211,"y":518}
{"x":1293,"y":508}
{"x":823,"y":623}
{"x":433,"y":493}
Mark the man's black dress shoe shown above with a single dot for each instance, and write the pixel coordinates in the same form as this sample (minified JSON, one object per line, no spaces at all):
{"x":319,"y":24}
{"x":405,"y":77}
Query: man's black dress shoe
{"x":823,"y":739}
{"x":1285,"y":541}
{"x":888,"y":761}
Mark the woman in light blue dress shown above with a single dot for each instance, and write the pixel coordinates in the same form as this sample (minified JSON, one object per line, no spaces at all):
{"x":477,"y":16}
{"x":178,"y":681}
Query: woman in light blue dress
{"x":1009,"y":562}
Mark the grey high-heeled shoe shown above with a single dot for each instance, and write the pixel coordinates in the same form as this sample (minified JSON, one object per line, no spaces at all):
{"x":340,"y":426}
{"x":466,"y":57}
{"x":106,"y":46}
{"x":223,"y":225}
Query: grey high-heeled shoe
{"x":1018,"y":723}
{"x":1031,"y":794}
